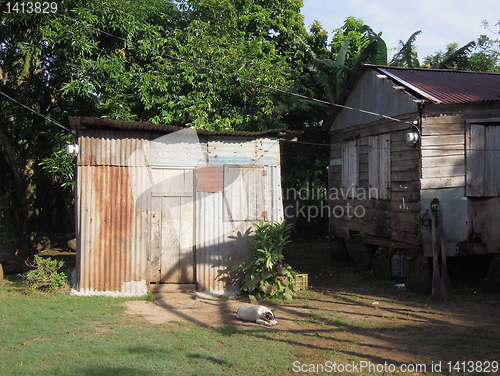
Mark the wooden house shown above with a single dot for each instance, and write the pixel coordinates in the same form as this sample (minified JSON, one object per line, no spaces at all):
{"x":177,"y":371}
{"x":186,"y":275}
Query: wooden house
{"x":159,"y":205}
{"x":401,"y":138}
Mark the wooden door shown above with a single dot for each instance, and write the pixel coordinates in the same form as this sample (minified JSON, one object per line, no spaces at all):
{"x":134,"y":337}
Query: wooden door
{"x":172,"y":226}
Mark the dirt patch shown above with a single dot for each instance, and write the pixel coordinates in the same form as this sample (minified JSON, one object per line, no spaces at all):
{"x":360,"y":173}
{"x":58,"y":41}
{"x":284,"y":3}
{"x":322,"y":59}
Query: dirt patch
{"x":354,"y":326}
{"x":209,"y":312}
{"x":348,"y":317}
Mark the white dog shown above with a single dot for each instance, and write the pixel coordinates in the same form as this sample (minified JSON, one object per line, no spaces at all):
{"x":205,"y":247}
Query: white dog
{"x":258,"y":314}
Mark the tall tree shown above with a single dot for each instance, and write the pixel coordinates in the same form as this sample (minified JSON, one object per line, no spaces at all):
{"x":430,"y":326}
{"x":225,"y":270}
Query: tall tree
{"x":482,"y":55}
{"x":191,"y":62}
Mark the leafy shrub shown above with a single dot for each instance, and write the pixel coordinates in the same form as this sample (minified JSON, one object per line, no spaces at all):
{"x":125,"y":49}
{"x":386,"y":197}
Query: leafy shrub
{"x":265,"y":274}
{"x":46,"y":276}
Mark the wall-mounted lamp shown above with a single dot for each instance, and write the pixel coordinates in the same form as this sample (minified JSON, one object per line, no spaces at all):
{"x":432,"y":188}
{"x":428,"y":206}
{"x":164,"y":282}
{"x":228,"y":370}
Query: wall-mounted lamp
{"x":73,"y":149}
{"x":412,"y":137}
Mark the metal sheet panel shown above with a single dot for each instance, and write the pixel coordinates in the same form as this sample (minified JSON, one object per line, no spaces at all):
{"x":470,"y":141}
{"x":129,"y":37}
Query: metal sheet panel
{"x":211,"y":242}
{"x":92,"y":123}
{"x":110,"y":148}
{"x":113,"y":232}
{"x":448,"y":86}
{"x":223,"y":151}
{"x":222,"y":244}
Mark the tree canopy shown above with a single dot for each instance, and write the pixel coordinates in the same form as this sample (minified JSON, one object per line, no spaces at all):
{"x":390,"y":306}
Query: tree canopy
{"x":202,"y":63}
{"x":211,"y":64}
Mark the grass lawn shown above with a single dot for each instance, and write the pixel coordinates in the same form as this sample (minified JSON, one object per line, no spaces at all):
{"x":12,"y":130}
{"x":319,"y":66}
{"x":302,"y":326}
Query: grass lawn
{"x":345,"y":317}
{"x":60,"y":334}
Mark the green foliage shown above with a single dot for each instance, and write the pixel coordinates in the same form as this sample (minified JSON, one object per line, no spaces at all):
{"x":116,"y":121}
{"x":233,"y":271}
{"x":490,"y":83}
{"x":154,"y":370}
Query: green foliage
{"x":60,"y":166}
{"x":265,"y":274}
{"x":407,"y":54}
{"x":170,"y":62}
{"x":482,"y":55}
{"x":46,"y":276}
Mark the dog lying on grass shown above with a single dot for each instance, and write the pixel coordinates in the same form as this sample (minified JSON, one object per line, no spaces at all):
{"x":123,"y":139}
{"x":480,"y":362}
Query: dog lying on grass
{"x":258,"y":314}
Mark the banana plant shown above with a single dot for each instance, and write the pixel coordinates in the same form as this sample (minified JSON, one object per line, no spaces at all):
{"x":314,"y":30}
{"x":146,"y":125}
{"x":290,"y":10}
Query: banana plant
{"x":265,"y":274}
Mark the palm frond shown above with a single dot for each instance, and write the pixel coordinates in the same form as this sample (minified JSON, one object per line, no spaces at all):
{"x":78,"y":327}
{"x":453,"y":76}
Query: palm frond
{"x":407,"y":56}
{"x":461,"y":52}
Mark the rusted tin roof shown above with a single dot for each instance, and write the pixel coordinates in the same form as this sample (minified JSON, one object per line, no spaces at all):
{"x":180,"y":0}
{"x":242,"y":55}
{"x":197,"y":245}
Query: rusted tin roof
{"x":433,"y":85}
{"x":446,"y":86}
{"x":79,"y":123}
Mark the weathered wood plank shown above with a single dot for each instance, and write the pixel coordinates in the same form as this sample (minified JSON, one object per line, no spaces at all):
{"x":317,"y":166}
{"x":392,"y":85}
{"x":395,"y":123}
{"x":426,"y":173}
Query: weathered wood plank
{"x":492,"y":161}
{"x":405,"y":186}
{"x":404,"y":165}
{"x":475,"y":160}
{"x":408,"y":154}
{"x":442,"y":140}
{"x":448,"y":160}
{"x":446,"y":182}
{"x":443,"y":151}
{"x":350,"y":175}
{"x":443,"y":128}
{"x":443,"y":119}
{"x":410,"y":236}
{"x":371,"y":129}
{"x":444,"y":171}
{"x":406,"y":176}
{"x":155,"y":223}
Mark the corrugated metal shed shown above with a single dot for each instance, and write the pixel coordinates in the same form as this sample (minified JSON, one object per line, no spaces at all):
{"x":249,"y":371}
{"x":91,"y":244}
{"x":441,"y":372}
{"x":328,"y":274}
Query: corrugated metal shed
{"x":160,"y":204}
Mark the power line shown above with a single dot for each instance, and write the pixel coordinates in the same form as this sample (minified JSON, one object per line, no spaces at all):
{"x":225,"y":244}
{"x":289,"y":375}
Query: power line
{"x":36,"y":113}
{"x":238,"y":78}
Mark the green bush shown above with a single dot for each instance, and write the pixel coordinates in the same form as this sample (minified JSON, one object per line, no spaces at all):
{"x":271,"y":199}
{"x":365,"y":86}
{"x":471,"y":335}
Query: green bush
{"x":46,"y":276}
{"x":265,"y":274}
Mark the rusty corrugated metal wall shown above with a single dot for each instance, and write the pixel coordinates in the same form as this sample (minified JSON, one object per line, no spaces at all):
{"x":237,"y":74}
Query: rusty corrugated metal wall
{"x":113,"y":232}
{"x":114,"y":187}
{"x":222,"y":244}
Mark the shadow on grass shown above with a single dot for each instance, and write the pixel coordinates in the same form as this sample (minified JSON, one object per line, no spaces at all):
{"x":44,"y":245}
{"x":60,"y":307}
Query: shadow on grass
{"x":341,"y":323}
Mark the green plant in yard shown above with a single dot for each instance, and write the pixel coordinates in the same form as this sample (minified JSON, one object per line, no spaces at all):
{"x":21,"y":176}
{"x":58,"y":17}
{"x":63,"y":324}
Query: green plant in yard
{"x":46,"y":276}
{"x":265,"y":274}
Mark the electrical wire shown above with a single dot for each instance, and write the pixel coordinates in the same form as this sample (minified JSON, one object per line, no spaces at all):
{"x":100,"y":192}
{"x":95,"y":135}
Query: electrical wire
{"x":36,"y":113}
{"x":236,"y":77}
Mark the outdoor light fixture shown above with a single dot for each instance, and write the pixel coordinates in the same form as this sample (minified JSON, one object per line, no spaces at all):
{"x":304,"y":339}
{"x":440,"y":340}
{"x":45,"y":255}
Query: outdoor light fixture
{"x":412,"y":137}
{"x":73,"y":149}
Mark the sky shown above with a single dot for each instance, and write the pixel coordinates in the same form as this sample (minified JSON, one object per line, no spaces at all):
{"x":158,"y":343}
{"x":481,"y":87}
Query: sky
{"x":441,"y":21}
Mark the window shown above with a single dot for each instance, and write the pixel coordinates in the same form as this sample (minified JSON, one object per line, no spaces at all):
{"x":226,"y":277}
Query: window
{"x":483,"y":160}
{"x":350,"y":166}
{"x":379,"y":166}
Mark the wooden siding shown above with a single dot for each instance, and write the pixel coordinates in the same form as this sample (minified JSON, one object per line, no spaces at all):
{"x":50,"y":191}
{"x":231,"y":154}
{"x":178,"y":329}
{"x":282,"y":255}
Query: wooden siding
{"x":379,"y":165}
{"x":483,"y":160}
{"x":394,"y":218}
{"x":443,"y":152}
{"x":350,"y":165}
{"x":370,"y":94}
{"x":172,"y":226}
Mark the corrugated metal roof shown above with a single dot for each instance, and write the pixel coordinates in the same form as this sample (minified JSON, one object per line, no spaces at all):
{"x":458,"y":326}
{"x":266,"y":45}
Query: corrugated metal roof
{"x":437,"y":86}
{"x":446,"y":86}
{"x":80,"y":123}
